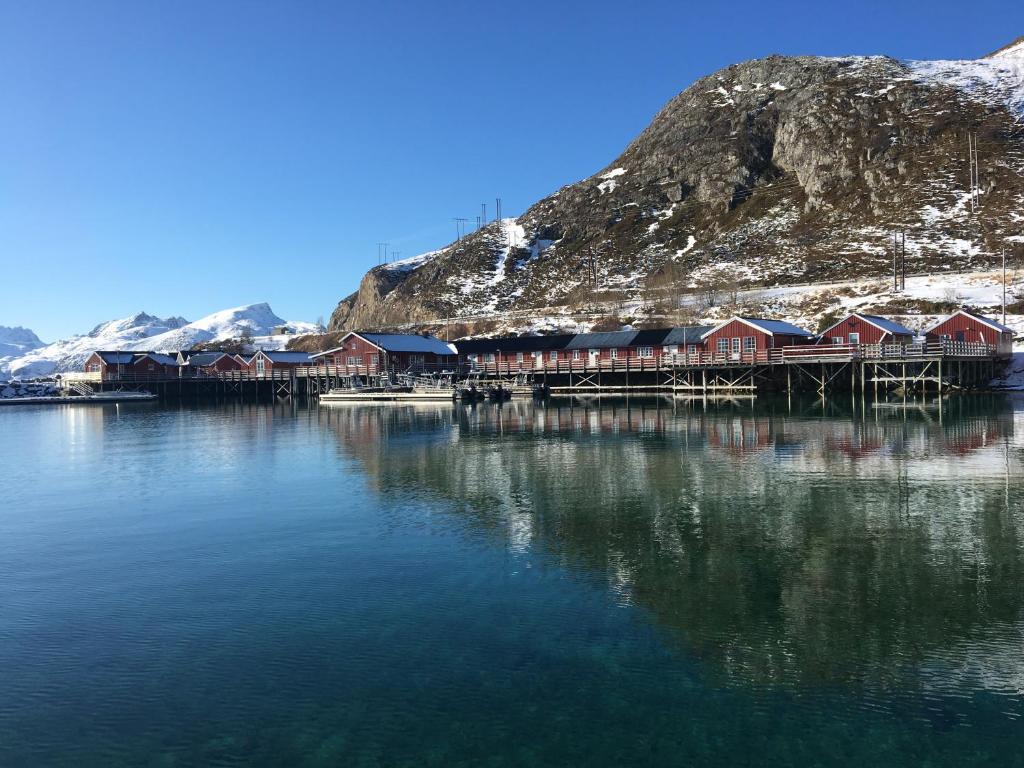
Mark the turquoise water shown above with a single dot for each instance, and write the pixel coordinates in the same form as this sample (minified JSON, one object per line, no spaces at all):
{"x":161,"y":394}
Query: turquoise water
{"x":386,"y":585}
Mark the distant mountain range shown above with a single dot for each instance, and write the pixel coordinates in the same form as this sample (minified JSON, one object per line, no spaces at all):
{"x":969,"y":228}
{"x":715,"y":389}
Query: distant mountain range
{"x":777,"y":171}
{"x":23,"y":355}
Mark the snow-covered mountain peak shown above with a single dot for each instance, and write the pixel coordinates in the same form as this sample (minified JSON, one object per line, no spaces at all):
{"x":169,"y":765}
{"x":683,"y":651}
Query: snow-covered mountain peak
{"x":18,"y":335}
{"x":1014,"y":50}
{"x":148,"y":332}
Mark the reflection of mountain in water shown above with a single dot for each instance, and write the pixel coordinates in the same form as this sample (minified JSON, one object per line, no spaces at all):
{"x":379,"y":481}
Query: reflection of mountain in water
{"x":781,"y":546}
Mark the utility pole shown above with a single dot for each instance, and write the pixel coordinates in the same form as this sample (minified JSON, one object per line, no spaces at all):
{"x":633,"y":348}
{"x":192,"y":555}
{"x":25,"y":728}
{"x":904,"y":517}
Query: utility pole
{"x":460,"y":227}
{"x":497,"y":209}
{"x":483,"y":214}
{"x":899,"y":261}
{"x":975,"y":175}
{"x":1004,"y":285}
{"x":382,"y":252}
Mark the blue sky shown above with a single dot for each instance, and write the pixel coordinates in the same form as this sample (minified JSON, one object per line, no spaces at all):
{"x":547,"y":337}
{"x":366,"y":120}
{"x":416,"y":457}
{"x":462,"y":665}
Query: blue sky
{"x":183,"y":157}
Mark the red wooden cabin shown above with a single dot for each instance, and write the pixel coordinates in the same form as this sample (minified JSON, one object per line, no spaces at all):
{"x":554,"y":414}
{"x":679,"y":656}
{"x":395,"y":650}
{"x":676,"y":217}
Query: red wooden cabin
{"x":968,"y":327}
{"x":364,"y":353}
{"x":126,"y":365}
{"x":208,"y":363}
{"x":857,"y":328}
{"x":266,"y":363}
{"x":752,"y":338}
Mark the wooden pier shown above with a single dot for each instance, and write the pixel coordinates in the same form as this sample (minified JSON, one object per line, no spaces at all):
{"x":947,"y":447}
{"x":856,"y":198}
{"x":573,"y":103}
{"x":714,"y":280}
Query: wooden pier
{"x":938,"y":367}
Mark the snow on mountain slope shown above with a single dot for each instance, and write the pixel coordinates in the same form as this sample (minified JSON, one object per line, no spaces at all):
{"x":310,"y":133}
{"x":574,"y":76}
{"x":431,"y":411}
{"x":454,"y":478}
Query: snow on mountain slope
{"x":143,"y":331}
{"x":15,"y":342}
{"x":997,"y":79}
{"x":256,"y":320}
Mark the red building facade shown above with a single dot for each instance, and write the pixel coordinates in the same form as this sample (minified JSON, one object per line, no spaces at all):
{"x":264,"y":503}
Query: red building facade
{"x":968,"y":328}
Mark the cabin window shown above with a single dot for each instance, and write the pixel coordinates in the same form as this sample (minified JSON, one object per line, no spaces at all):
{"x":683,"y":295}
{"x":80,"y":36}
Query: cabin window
{"x":575,"y":354}
{"x":417,"y":360}
{"x":960,"y":336}
{"x":646,"y":352}
{"x":594,"y":352}
{"x":749,"y":344}
{"x":373,"y":360}
{"x":614,"y":353}
{"x":93,"y":368}
{"x":691,"y":349}
{"x":489,"y":357}
{"x":351,"y":361}
{"x":722,"y":346}
{"x":519,"y":357}
{"x":854,"y":338}
{"x":735,"y":343}
{"x":837,"y":340}
{"x":152,"y":367}
{"x":553,"y":355}
{"x":260,"y":366}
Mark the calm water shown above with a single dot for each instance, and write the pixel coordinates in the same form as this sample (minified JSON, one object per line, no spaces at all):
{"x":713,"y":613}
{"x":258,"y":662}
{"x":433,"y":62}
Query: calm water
{"x":512,"y":586}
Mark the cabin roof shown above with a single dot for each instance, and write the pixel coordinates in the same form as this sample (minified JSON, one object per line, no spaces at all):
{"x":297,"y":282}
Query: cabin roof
{"x":407,"y":342}
{"x":688,"y":335}
{"x":200,"y":359}
{"x":882,"y":323}
{"x":285,"y":356}
{"x":116,"y":358}
{"x":980,"y":318}
{"x":161,"y":358}
{"x":513,"y":344}
{"x":771,"y":327}
{"x":602,"y":340}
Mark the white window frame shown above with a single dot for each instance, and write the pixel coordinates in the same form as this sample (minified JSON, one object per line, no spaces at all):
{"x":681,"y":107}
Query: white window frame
{"x":553,"y":355}
{"x":722,"y":345}
{"x":575,"y":354}
{"x":749,"y":343}
{"x":613,"y":353}
{"x":645,"y":352}
{"x":838,"y":341}
{"x":853,"y":337}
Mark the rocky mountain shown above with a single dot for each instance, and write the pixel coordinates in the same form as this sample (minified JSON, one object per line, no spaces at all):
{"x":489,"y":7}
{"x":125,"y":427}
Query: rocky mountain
{"x":147,"y":332}
{"x":770,"y":172}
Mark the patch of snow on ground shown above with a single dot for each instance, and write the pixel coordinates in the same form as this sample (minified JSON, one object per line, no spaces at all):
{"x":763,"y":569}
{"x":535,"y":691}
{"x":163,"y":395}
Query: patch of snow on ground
{"x":411,"y":263}
{"x":999,"y":79}
{"x":613,"y":173}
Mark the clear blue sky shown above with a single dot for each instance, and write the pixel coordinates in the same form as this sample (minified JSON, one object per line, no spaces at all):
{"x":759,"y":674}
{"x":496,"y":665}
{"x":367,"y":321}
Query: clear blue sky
{"x":183,"y":157}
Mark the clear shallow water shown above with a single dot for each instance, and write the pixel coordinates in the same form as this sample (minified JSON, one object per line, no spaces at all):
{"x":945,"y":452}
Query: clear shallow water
{"x":438,"y":585}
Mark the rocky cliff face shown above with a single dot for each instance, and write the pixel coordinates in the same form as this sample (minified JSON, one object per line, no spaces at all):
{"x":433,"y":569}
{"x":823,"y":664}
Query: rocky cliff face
{"x":772,"y":171}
